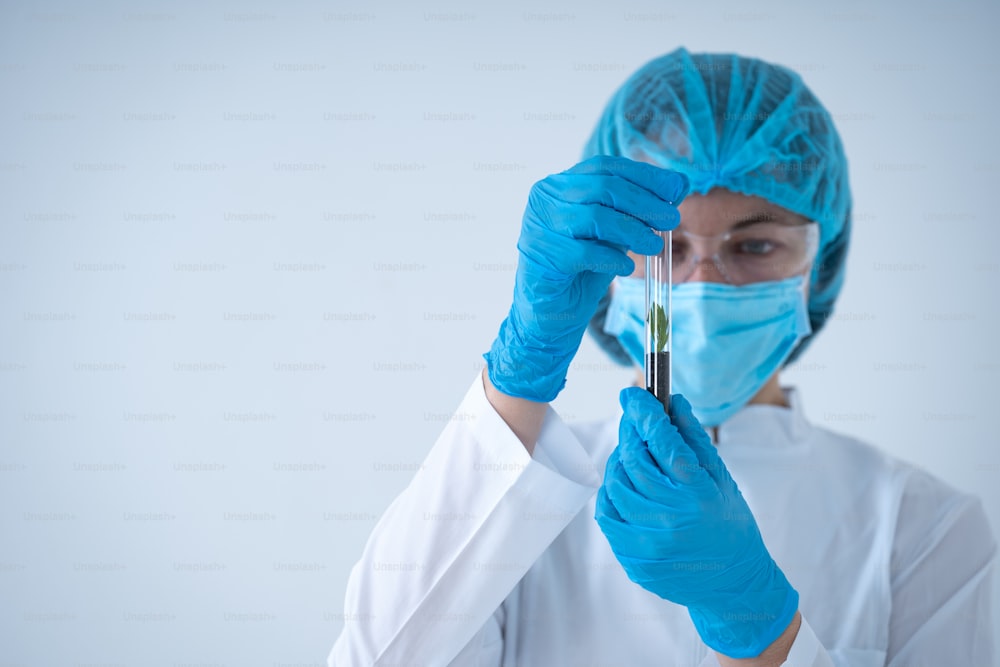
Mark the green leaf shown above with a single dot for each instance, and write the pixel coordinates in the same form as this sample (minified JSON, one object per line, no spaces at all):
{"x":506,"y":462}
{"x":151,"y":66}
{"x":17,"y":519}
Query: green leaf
{"x":659,"y":326}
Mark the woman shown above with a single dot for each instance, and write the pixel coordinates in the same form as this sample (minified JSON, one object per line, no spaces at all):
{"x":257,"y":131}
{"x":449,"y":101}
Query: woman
{"x":762,"y":541}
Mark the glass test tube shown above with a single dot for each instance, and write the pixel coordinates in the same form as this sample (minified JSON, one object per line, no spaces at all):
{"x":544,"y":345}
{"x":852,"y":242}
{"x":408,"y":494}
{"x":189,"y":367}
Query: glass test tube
{"x":658,"y":280}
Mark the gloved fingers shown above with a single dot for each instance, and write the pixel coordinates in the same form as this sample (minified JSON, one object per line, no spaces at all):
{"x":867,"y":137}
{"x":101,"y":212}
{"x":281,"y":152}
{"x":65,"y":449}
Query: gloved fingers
{"x":682,"y":415}
{"x":647,"y":572}
{"x":665,"y":445}
{"x":547,"y":294}
{"x":644,"y":410}
{"x":605,"y":507}
{"x":678,"y":464}
{"x":618,"y":533}
{"x":566,"y":193}
{"x":616,"y":477}
{"x":637,"y":508}
{"x":670,"y":186}
{"x":697,"y":439}
{"x":620,"y":229}
{"x":634,"y":532}
{"x":643,"y":470}
{"x":632,"y":525}
{"x":564,"y":257}
{"x":605,"y":510}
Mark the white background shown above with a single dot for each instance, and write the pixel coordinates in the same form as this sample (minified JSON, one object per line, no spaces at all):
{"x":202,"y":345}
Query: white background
{"x":251,"y":253}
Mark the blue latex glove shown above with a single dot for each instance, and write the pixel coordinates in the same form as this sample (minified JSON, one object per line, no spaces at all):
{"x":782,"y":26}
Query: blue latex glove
{"x":574,"y":234}
{"x":681,"y":529}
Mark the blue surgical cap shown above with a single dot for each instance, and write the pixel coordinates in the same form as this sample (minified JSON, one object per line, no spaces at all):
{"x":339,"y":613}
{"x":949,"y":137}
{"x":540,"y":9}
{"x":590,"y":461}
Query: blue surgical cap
{"x":745,"y":125}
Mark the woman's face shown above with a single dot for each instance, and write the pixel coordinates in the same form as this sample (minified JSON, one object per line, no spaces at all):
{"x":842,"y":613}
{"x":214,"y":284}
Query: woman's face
{"x":715,"y":213}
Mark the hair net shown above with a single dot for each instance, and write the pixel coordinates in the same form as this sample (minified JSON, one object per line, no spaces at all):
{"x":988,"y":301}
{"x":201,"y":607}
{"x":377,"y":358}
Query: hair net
{"x":741,"y":124}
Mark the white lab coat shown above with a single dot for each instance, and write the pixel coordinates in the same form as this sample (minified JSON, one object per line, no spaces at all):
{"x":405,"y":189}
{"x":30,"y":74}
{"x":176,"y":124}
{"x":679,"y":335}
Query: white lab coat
{"x":491,"y":557}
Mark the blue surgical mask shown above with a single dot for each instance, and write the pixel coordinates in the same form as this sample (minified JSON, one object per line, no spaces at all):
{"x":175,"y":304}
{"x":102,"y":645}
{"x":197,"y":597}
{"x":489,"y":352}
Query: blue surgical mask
{"x":726,"y":341}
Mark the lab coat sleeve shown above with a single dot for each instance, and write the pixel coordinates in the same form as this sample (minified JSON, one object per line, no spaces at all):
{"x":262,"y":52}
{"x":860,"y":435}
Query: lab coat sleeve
{"x":449,"y":549}
{"x":941,"y":576}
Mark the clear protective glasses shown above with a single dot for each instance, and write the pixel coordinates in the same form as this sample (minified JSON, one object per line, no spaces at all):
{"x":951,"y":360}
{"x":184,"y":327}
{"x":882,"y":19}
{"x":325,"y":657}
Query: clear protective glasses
{"x":759,"y":252}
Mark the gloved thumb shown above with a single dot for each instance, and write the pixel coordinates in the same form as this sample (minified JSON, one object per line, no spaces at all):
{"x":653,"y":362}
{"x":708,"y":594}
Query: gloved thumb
{"x":682,"y":417}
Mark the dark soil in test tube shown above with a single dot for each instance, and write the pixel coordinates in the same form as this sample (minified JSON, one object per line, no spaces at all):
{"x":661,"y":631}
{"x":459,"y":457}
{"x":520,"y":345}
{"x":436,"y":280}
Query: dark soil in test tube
{"x":658,"y":376}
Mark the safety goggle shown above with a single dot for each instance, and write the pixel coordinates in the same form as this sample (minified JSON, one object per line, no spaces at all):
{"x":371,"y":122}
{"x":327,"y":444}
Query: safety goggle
{"x":760,"y":252}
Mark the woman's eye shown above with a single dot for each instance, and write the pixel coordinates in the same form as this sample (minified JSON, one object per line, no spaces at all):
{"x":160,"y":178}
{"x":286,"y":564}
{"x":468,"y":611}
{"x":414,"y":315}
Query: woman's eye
{"x":756,"y":246}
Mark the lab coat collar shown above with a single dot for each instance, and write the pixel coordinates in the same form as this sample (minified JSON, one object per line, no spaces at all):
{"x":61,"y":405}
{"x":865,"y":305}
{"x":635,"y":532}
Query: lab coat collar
{"x":766,"y":427}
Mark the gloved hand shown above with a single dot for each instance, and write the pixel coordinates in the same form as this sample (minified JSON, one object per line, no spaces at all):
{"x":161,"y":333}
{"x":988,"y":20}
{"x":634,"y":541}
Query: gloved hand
{"x":680,"y":528}
{"x":574,"y":234}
